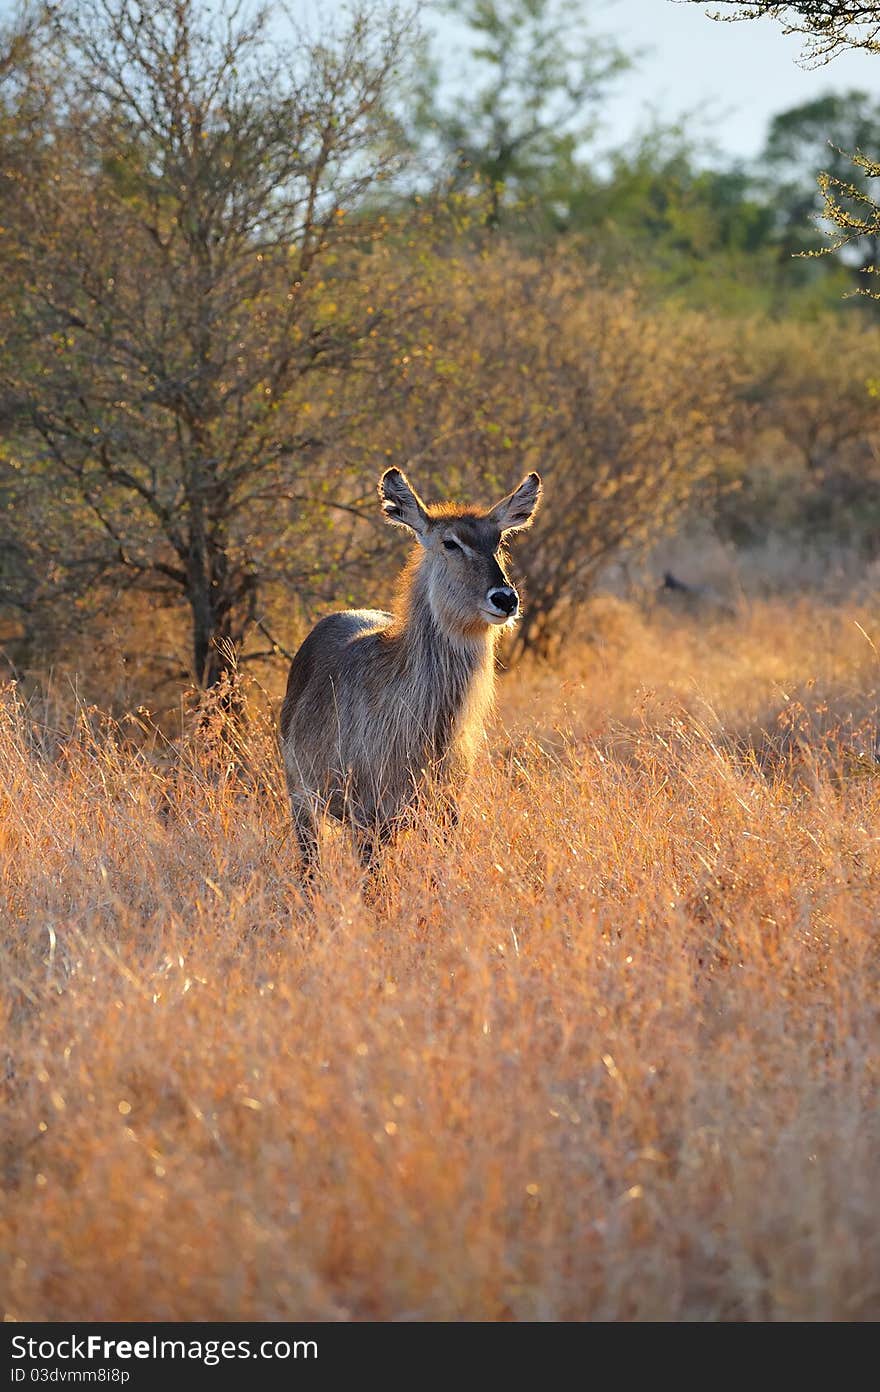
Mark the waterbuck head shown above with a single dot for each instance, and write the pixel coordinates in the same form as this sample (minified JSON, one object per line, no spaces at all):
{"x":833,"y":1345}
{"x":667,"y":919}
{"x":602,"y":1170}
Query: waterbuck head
{"x":462,"y":568}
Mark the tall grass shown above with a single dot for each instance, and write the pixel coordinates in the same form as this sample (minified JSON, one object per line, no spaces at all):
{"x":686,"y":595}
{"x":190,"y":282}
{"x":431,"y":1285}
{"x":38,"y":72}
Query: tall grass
{"x":609,"y":1052}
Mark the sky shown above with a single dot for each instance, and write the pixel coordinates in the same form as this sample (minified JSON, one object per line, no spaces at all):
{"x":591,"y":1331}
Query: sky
{"x":730,"y":78}
{"x":741,"y":74}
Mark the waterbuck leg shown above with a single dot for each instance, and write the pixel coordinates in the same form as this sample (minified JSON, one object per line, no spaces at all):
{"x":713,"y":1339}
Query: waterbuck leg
{"x":307,"y":835}
{"x":370,"y":841}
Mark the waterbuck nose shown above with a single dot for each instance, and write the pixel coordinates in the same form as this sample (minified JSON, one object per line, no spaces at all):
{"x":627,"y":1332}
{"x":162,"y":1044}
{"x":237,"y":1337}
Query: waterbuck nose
{"x":504,"y":599}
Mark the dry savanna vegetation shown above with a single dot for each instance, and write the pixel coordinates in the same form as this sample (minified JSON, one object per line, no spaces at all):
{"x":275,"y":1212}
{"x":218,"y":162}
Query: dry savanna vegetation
{"x":608,"y":1052}
{"x":608,"y":1049}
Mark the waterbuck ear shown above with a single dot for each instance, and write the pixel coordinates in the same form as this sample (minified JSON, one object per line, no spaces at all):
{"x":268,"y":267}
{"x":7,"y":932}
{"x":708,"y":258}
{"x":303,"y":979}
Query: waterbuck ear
{"x":401,"y":503}
{"x":516,"y":511}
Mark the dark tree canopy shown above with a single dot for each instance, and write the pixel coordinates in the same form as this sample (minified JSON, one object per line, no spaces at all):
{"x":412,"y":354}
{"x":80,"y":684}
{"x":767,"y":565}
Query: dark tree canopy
{"x":815,"y":139}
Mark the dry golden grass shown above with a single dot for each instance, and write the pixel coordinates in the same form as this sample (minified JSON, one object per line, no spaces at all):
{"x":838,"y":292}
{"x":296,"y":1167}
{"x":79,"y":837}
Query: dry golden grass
{"x":610,"y":1053}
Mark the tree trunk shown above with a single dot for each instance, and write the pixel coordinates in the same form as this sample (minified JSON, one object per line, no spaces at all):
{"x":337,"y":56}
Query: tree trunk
{"x":222,"y":604}
{"x":221,"y":598}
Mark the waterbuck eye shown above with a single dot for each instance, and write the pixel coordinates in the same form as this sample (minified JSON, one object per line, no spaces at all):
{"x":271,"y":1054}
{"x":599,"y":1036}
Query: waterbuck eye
{"x":449,"y":545}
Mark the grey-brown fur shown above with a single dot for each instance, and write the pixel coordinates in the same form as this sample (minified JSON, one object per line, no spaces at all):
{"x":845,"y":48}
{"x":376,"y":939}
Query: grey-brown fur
{"x":376,"y":702}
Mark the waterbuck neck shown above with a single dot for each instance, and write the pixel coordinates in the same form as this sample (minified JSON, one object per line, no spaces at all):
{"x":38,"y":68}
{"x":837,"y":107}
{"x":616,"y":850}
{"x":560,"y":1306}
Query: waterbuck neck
{"x":420,"y":630}
{"x":445,"y":677}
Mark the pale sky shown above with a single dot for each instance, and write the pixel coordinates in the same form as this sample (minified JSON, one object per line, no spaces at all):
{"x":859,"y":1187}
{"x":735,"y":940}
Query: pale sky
{"x":744,"y":73}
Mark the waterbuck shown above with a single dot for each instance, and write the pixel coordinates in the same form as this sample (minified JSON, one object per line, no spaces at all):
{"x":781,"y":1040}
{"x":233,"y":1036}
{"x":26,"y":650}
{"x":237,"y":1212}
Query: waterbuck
{"x":377,"y":704}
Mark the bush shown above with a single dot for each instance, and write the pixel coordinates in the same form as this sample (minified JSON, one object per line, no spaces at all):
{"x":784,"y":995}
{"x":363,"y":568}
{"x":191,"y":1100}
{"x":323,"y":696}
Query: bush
{"x":514,"y":364}
{"x":808,"y":451}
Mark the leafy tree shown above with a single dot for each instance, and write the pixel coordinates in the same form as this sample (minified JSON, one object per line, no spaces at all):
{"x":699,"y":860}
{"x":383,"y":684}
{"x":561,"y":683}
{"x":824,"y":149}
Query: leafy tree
{"x":832,"y":27}
{"x":659,"y":193}
{"x":517,"y":115}
{"x":686,"y":223}
{"x":181,"y":233}
{"x":802,"y":140}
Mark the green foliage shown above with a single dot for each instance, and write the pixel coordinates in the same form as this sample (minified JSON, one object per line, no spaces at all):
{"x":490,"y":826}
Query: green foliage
{"x":816,"y":139}
{"x":514,"y":123}
{"x":707,"y":236}
{"x":832,"y":27}
{"x":518,"y":128}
